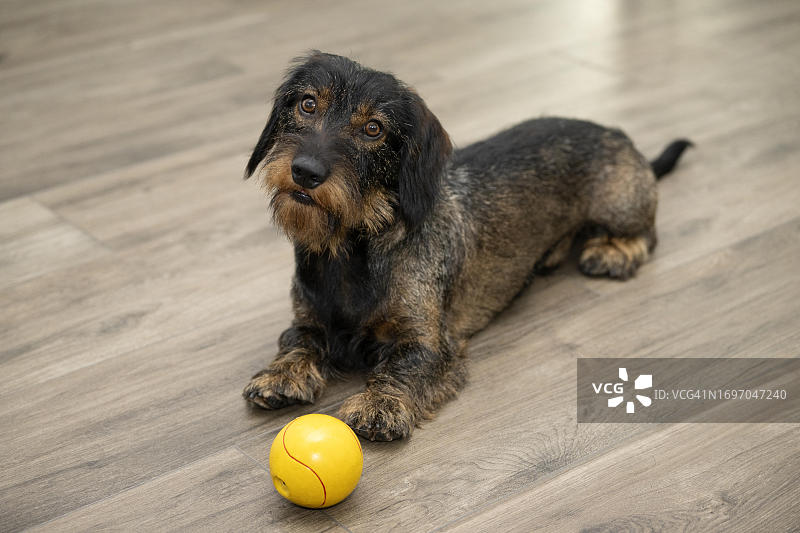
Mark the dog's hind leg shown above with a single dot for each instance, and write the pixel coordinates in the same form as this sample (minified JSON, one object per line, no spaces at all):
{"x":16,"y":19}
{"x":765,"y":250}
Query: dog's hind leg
{"x":621,"y":217}
{"x":615,"y":257}
{"x":556,"y":255}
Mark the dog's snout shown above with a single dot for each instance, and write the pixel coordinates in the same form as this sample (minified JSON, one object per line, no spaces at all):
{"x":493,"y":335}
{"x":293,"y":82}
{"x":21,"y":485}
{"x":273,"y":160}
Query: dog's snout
{"x":308,"y":172}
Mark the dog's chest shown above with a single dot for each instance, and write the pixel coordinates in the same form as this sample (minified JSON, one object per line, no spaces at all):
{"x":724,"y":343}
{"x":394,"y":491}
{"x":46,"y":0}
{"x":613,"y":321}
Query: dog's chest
{"x":343,"y":293}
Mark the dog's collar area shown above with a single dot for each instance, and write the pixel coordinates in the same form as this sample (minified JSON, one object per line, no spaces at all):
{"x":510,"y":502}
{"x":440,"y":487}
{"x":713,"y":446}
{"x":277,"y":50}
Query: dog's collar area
{"x":302,"y":197}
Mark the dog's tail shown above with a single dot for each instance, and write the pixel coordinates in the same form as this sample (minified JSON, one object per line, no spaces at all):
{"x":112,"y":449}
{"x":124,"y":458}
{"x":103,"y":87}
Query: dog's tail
{"x":663,"y":164}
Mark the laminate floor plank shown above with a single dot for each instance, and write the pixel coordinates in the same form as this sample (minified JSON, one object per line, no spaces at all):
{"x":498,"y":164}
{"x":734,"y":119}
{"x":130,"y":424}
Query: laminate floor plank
{"x":514,"y":425}
{"x":92,"y":129}
{"x":717,"y":479}
{"x":34,"y":240}
{"x":224,"y":491}
{"x":142,"y":281}
{"x":102,"y":429}
{"x":101,"y":309}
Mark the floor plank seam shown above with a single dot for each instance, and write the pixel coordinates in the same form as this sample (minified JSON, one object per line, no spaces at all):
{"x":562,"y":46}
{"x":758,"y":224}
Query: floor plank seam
{"x":565,"y":56}
{"x":329,"y":515}
{"x":253,"y":459}
{"x":61,"y":218}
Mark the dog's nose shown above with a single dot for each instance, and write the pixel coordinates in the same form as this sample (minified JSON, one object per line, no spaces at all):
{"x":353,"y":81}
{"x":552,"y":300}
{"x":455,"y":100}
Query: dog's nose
{"x":308,"y":172}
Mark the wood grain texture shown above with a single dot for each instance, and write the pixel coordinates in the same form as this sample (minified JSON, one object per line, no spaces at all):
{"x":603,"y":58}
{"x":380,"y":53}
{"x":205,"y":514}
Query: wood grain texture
{"x":142,"y":282}
{"x":114,"y":424}
{"x":705,"y":483}
{"x":225,"y":491}
{"x":34,"y":241}
{"x":514,"y":425}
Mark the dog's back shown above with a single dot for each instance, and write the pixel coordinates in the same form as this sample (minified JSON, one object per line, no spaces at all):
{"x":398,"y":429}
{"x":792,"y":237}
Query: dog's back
{"x":526,"y":192}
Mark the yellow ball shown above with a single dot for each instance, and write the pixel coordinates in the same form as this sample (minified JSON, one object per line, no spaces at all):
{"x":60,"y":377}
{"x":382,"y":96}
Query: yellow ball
{"x":316,"y":461}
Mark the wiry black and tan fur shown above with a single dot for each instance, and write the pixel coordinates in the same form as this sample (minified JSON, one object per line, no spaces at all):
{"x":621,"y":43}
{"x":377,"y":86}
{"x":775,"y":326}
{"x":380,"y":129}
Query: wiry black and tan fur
{"x":404,"y":248}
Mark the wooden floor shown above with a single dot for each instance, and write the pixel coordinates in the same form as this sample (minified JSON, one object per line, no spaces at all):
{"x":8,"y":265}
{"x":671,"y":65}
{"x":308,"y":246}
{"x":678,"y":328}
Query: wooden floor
{"x":142,"y":283}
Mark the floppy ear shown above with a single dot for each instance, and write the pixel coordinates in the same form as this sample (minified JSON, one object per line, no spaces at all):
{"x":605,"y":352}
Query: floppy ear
{"x":265,"y":142}
{"x":423,"y":159}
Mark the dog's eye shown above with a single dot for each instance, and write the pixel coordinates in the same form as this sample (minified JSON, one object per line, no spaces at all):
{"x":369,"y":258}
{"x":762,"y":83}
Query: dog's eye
{"x":308,"y":104}
{"x":372,"y":128}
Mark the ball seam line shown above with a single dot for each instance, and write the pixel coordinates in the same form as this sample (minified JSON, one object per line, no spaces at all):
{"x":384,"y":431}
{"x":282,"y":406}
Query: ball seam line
{"x":283,"y":440}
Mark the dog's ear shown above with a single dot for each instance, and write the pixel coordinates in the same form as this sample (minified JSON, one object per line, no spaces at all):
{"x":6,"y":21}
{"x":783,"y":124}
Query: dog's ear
{"x":423,"y":158}
{"x":265,"y":142}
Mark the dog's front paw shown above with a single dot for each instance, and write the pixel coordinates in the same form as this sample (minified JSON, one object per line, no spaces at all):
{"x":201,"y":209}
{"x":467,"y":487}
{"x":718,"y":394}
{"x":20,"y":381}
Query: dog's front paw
{"x":378,"y":416}
{"x":285,"y":383}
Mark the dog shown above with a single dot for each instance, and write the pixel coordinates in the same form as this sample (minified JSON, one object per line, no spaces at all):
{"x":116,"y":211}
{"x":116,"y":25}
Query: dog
{"x":405,"y":248}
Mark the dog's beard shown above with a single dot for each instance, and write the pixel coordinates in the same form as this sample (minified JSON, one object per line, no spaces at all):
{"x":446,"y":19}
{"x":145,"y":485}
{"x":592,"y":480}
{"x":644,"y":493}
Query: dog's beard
{"x":320,"y":219}
{"x":317,"y":219}
{"x":307,"y":225}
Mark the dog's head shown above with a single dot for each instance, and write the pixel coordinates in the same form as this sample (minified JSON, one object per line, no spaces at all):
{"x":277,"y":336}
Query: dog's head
{"x":348,"y":149}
